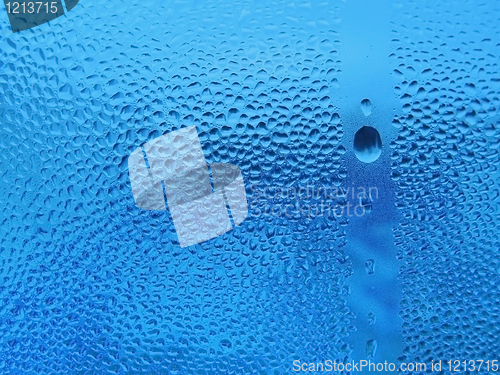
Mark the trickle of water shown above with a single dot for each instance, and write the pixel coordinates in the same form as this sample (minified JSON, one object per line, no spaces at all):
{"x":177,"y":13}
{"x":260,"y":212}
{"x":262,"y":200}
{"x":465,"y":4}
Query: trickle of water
{"x":366,"y":107}
{"x":370,"y":266}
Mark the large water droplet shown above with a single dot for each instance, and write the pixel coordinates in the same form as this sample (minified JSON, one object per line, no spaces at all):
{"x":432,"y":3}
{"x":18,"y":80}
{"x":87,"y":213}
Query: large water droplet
{"x":366,"y":107}
{"x":367,"y":144}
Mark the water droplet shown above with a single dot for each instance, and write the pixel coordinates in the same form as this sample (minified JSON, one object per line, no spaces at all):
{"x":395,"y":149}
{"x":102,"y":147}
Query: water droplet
{"x":225,"y":343}
{"x":370,"y":266}
{"x":367,"y":144}
{"x":371,"y":318}
{"x":371,"y":348}
{"x":365,"y":201}
{"x":366,"y":107}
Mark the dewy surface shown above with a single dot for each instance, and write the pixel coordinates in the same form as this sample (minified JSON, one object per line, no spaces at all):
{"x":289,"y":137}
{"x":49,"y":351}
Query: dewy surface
{"x":91,"y":284}
{"x":446,"y":161}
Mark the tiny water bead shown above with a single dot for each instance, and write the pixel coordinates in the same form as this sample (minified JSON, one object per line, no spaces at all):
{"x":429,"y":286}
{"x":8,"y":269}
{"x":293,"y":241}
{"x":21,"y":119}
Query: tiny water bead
{"x":371,"y":348}
{"x":371,"y":318}
{"x":370,"y":266}
{"x":367,"y":144}
{"x":366,"y":107}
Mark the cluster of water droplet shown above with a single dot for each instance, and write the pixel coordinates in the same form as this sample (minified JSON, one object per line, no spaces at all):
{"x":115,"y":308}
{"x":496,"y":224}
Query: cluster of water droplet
{"x":445,"y":167}
{"x":92,"y":284}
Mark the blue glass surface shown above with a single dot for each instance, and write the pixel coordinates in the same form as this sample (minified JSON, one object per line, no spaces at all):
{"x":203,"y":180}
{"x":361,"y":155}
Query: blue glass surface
{"x":92,"y":284}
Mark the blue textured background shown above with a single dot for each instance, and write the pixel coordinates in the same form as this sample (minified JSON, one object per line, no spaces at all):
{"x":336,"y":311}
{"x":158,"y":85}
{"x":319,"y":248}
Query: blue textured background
{"x":92,"y":285}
